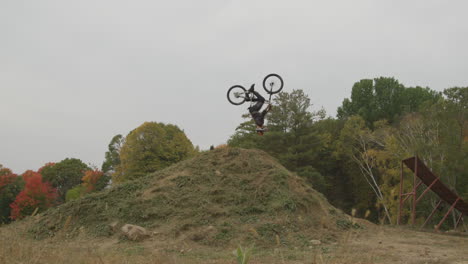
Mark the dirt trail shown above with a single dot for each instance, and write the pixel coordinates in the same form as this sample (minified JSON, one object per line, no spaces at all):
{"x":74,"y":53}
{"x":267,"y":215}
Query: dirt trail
{"x":401,"y":245}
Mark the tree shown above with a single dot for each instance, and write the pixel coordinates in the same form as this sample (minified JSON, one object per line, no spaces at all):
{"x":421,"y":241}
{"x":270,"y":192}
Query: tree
{"x":290,"y":115}
{"x":75,"y":193}
{"x":291,"y":137}
{"x":151,"y":147}
{"x":362,"y":146}
{"x":462,"y":183}
{"x":245,"y":135}
{"x":384,"y":98}
{"x":291,"y":112}
{"x":36,"y":195}
{"x":46,"y":166}
{"x":112,"y":156}
{"x":64,"y":175}
{"x":94,"y":180}
{"x":4,"y":171}
{"x":388,"y":98}
{"x":416,"y":97}
{"x":10,"y":187}
{"x":362,"y":102}
{"x":457,"y":105}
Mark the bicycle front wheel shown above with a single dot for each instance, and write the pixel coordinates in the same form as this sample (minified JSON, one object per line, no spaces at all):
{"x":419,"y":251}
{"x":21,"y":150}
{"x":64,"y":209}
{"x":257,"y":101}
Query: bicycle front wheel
{"x":236,"y":95}
{"x":273,"y":83}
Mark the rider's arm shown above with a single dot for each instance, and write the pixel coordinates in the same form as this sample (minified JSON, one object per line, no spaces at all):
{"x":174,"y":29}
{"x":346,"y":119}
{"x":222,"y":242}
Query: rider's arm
{"x":264,"y":112}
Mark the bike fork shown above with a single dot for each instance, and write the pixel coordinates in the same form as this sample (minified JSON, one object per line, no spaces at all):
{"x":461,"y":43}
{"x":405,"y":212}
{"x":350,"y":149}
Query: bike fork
{"x":269,"y":99}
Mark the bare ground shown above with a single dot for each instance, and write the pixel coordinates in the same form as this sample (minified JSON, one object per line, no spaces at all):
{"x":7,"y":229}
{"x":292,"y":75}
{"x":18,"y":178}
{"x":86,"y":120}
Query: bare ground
{"x":373,"y":244}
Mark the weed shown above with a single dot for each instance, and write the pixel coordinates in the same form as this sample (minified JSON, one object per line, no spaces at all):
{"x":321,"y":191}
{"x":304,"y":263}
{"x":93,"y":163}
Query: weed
{"x":243,"y":255}
{"x":346,"y":224}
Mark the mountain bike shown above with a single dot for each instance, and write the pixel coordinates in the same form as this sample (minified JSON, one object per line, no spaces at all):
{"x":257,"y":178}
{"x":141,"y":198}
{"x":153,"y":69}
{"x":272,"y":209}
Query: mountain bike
{"x":272,"y":83}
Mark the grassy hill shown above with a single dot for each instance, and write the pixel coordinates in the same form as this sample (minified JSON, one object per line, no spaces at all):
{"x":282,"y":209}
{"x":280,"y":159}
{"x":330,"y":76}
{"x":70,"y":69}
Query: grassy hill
{"x":221,"y":197}
{"x":199,"y":210}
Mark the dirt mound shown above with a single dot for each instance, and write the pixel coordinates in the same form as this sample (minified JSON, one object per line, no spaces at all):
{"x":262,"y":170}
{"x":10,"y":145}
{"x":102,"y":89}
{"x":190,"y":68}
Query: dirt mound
{"x":224,"y":196}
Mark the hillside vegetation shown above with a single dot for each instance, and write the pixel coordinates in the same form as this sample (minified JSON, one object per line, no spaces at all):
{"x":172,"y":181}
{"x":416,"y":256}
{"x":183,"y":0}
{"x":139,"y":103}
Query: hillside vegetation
{"x":201,"y":209}
{"x":220,"y":197}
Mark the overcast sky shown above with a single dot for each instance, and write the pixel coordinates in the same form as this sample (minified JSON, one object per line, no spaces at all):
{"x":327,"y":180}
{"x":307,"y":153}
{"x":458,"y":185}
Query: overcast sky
{"x":75,"y":73}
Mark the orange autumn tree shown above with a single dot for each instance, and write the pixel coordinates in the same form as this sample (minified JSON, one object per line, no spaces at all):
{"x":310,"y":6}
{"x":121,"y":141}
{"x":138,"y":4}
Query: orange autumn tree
{"x":93,"y":180}
{"x":46,"y":166}
{"x":36,"y":194}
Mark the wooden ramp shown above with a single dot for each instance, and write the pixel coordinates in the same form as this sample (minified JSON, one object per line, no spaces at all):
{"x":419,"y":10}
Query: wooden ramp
{"x":433,"y":183}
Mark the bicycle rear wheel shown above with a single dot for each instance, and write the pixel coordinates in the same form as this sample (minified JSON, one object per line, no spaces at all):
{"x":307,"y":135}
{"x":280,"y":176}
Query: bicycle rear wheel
{"x":236,"y":95}
{"x":273,"y":83}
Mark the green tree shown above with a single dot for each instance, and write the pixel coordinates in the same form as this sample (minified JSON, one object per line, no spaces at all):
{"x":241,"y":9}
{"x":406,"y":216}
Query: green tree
{"x":449,"y":120}
{"x":112,"y":156}
{"x":414,"y":98}
{"x":64,"y":175}
{"x":304,"y":142}
{"x":363,"y":146}
{"x":457,"y":106}
{"x":435,"y":135}
{"x":388,"y":98}
{"x":462,"y":183}
{"x":338,"y":170}
{"x":245,"y":135}
{"x":151,"y":147}
{"x":291,"y":112}
{"x":75,"y":193}
{"x":384,"y":98}
{"x":362,"y":102}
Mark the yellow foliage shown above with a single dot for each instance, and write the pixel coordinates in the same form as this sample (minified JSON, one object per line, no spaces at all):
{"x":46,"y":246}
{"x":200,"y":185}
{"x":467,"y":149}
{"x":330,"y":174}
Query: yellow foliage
{"x":151,"y":147}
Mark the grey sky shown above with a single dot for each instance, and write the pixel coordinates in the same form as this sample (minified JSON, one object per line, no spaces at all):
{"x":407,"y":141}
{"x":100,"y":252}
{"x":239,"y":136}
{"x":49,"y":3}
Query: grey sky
{"x":75,"y":73}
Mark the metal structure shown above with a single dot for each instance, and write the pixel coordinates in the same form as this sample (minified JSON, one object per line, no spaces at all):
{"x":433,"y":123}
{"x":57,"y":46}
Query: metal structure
{"x":423,"y":175}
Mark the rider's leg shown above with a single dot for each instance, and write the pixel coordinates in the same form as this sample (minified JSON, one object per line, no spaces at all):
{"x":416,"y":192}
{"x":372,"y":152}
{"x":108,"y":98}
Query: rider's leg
{"x":260,"y":101}
{"x":256,"y":107}
{"x":258,"y":97}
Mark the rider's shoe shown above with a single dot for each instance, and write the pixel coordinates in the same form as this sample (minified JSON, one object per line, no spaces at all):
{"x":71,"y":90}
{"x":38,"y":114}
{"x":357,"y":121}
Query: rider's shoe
{"x":251,"y":88}
{"x":247,"y":98}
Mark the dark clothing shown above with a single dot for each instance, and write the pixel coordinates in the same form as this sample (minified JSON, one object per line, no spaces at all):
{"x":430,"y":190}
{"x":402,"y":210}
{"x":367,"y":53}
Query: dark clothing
{"x":258,"y":117}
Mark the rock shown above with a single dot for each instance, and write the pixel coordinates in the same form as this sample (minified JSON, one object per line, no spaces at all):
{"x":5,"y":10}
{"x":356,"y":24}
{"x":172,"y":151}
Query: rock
{"x":315,"y":242}
{"x":134,"y":232}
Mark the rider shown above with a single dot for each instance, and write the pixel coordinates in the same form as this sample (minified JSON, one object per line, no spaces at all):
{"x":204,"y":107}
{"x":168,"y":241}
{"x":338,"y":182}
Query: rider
{"x":257,"y":116}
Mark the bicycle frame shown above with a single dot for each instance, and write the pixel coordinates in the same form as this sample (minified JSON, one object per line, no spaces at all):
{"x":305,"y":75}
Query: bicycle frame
{"x":249,"y":95}
{"x":267,"y":102}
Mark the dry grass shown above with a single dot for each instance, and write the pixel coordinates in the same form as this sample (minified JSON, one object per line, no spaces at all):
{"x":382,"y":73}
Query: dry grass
{"x":16,"y":247}
{"x":374,"y":244}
